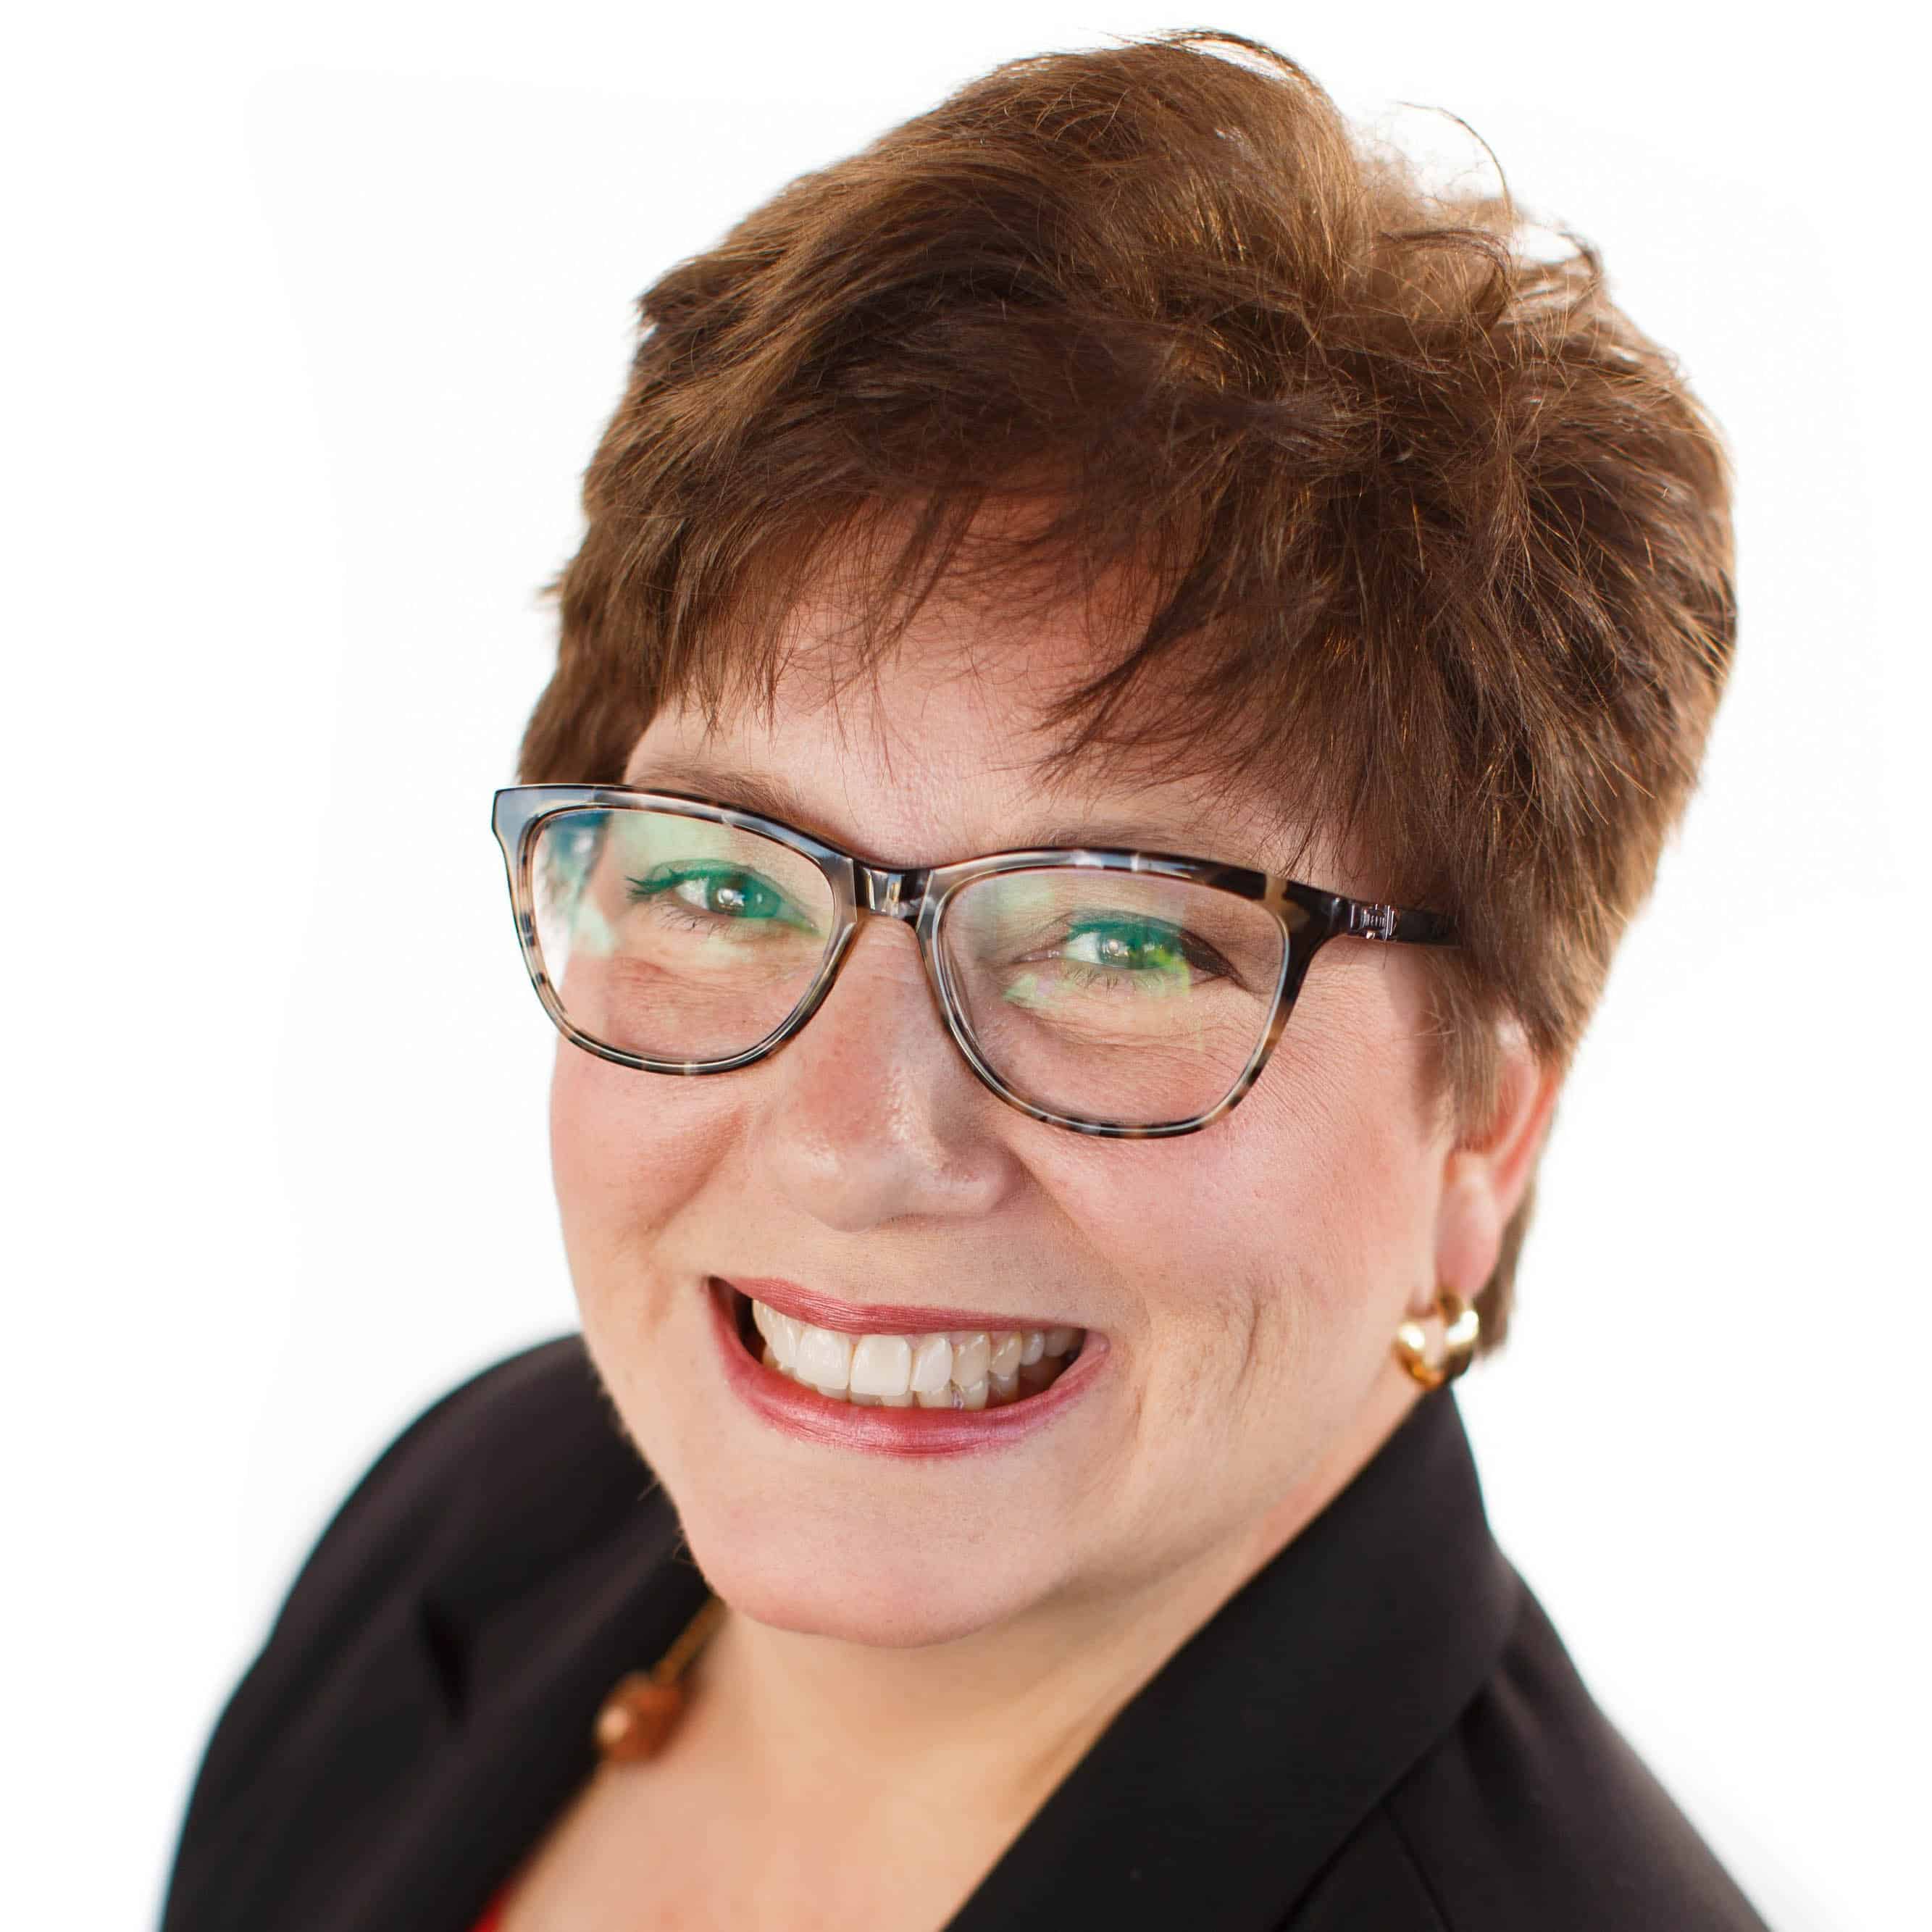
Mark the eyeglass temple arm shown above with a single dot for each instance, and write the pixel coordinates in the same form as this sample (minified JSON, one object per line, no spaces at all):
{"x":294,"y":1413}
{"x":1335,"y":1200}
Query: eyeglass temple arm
{"x":1362,"y":919}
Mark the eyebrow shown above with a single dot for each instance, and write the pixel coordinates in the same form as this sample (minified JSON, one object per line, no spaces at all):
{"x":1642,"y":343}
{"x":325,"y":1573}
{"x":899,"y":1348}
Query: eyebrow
{"x":772,"y":797}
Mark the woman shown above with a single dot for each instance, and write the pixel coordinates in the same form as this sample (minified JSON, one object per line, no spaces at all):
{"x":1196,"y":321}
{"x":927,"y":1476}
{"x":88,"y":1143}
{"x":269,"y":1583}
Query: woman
{"x":1255,"y":629}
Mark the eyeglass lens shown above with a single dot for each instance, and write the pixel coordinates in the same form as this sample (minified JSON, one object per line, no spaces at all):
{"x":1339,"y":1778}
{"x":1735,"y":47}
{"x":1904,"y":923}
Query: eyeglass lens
{"x":1116,"y":998}
{"x":672,"y":938}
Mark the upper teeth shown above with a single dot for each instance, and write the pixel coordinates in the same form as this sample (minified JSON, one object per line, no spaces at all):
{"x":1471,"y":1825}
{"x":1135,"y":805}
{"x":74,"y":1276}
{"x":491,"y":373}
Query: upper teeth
{"x":960,"y":1368}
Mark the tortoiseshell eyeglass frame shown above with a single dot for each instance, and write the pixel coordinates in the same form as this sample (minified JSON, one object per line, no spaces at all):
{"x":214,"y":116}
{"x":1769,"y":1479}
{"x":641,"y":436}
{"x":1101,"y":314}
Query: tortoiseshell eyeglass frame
{"x":1308,"y":918}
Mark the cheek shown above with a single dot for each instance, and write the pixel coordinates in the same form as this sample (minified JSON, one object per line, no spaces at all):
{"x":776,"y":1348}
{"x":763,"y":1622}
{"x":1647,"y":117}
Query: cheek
{"x":627,"y":1151}
{"x":1280,"y":1244}
{"x":1348,"y":1135}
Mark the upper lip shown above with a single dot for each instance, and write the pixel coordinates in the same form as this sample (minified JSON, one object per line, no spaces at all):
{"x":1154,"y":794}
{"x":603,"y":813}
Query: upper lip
{"x":877,"y":1317}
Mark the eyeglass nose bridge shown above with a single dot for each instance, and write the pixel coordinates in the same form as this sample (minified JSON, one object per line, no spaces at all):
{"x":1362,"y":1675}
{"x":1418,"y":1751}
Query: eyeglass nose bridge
{"x":899,"y":895}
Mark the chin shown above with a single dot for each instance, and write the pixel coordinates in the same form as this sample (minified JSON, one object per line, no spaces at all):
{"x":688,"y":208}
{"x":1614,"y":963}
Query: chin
{"x":870,"y":1561}
{"x":858,"y":1581}
{"x":885,"y":1552}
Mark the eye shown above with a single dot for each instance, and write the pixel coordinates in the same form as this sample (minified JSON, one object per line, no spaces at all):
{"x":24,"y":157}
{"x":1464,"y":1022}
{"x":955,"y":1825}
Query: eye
{"x":1134,"y":948}
{"x":1142,"y":946}
{"x":727,"y":894}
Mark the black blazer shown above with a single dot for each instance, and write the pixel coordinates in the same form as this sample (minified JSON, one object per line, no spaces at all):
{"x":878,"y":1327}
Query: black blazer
{"x":1380,"y":1733}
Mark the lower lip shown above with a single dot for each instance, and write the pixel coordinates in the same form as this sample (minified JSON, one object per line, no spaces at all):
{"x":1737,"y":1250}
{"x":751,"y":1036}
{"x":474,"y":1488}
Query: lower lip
{"x":803,"y":1412}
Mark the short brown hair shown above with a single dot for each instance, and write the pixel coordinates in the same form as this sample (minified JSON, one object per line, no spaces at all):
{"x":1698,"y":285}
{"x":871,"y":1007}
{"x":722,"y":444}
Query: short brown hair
{"x":1422,"y":506}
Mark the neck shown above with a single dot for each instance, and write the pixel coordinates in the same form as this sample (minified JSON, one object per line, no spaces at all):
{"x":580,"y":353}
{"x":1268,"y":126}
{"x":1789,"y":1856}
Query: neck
{"x":977,"y":1731}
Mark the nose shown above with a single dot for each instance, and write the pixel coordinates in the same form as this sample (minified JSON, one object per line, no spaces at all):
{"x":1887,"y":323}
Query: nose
{"x":870,"y":1114}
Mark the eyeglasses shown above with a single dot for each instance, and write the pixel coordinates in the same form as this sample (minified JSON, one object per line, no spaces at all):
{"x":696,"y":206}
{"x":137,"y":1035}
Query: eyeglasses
{"x":1124,"y":993}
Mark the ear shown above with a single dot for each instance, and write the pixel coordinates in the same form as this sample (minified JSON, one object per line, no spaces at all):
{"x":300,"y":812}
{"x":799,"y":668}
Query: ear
{"x":1484,"y":1175}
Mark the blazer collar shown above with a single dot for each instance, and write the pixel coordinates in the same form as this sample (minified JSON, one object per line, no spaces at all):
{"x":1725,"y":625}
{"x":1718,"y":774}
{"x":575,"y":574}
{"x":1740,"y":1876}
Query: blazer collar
{"x":1214,"y":1798}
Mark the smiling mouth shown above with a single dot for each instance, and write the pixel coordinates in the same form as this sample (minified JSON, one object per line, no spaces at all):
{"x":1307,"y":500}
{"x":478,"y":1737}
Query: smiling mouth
{"x":950,"y":1368}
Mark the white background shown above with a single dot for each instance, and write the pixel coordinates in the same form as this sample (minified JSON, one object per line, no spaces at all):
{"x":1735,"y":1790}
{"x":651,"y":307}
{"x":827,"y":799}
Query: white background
{"x":314,"y":312}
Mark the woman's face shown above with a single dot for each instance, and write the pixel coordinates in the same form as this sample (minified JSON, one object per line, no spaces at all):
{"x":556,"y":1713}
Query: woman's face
{"x":1240,"y":1286}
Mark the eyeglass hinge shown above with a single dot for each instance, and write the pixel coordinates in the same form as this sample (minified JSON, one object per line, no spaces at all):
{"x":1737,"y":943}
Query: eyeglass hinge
{"x":1373,"y":921}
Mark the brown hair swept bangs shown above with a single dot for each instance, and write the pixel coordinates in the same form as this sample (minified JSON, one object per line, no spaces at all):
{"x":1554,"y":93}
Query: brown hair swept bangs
{"x":1442,"y":542}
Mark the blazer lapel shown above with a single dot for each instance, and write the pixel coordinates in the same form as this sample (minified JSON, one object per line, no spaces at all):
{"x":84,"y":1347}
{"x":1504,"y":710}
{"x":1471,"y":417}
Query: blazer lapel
{"x":1218,"y":1794}
{"x":529,"y":1685}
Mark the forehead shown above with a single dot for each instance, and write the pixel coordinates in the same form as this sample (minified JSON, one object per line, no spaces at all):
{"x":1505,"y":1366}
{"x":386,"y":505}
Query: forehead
{"x":945,"y":745}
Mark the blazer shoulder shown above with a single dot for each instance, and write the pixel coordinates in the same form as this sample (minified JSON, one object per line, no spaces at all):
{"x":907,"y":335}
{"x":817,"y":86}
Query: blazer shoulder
{"x":510,"y":1438}
{"x":1533,"y":1811}
{"x":524,"y":1461}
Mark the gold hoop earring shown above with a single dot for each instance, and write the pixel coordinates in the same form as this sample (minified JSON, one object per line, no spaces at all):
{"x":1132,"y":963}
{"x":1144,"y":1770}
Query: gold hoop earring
{"x":1461,"y":1326}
